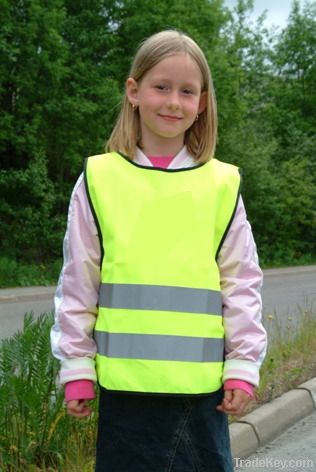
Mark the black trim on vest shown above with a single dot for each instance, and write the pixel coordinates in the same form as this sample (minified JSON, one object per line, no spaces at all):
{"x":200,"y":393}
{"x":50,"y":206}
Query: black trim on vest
{"x":181,"y":169}
{"x":93,"y":210}
{"x":157,"y":394}
{"x":232,"y":217}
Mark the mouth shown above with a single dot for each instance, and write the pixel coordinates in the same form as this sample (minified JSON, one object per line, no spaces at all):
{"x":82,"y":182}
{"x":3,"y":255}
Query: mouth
{"x":170,"y":117}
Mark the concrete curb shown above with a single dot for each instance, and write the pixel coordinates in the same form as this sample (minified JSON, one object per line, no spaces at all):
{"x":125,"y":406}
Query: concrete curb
{"x":264,"y":424}
{"x":22,"y":294}
{"x":294,"y":270}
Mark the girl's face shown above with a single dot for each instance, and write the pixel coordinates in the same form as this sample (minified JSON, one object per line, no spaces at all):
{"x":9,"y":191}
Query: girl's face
{"x":169,"y":98}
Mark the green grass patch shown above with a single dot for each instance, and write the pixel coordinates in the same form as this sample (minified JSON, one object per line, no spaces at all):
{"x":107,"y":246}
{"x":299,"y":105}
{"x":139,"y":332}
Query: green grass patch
{"x":15,"y":273}
{"x":290,"y":359}
{"x":288,"y":260}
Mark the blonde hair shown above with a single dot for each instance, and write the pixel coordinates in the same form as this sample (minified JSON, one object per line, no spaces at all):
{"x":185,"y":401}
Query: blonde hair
{"x":200,"y":138}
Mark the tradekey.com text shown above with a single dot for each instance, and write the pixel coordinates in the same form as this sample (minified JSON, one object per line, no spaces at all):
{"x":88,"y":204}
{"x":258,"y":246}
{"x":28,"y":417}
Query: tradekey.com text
{"x":271,"y":464}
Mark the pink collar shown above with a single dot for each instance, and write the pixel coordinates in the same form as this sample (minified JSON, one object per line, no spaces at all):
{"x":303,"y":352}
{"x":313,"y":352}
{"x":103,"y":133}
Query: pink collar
{"x":161,"y":161}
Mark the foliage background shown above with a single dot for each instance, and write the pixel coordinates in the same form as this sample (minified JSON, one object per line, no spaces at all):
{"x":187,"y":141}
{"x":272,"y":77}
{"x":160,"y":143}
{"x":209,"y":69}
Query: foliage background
{"x":63,"y":64}
{"x":62,"y":71}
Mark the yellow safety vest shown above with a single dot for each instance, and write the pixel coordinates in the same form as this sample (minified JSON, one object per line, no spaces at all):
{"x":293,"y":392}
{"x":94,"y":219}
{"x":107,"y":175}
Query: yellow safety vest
{"x":159,"y":327}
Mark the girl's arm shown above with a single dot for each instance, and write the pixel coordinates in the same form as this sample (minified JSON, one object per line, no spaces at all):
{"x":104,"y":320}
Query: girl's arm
{"x":241,"y":281}
{"x":77,"y":293}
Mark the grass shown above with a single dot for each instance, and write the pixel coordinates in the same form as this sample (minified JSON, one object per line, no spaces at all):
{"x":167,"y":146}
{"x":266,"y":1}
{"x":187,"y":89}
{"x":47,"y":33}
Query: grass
{"x":15,"y":273}
{"x":37,"y":435}
{"x":289,"y":259}
{"x":290,"y":359}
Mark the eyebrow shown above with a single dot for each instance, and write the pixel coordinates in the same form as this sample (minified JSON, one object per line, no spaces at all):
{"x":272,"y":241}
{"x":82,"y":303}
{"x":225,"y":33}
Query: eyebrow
{"x":185,"y":84}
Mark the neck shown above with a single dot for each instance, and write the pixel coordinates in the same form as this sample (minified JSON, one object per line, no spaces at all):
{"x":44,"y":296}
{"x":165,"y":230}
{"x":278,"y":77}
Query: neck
{"x":161,"y":151}
{"x":161,"y":147}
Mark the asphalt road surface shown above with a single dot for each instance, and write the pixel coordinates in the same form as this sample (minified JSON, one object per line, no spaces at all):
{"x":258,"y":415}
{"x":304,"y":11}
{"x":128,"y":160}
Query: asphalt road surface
{"x":293,"y":451}
{"x":12,"y":313}
{"x":287,"y":294}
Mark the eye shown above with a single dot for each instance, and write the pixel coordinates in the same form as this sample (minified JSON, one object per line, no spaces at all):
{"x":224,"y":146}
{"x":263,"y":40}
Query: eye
{"x":187,"y":91}
{"x":161,"y":87}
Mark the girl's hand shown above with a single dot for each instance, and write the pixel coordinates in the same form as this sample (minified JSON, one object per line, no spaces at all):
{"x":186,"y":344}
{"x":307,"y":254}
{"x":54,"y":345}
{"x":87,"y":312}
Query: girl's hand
{"x":78,"y":408}
{"x":234,"y":402}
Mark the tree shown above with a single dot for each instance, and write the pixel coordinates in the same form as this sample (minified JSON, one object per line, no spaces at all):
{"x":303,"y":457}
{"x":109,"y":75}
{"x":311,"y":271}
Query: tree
{"x":57,"y":103}
{"x":294,"y":62}
{"x":293,"y":117}
{"x":62,"y":72}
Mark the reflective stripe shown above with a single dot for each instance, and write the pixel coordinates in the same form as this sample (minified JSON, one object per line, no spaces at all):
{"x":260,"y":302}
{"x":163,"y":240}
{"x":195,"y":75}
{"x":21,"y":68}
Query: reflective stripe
{"x":159,"y":347}
{"x":161,"y":298}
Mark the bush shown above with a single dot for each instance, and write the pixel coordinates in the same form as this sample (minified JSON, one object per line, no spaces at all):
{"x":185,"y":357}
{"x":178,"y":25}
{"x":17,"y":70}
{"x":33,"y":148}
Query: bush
{"x":35,"y":432}
{"x":14,"y":273}
{"x":29,"y":228}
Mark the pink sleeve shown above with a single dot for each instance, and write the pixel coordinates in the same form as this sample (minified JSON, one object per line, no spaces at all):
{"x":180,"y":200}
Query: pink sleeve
{"x":241,"y":385}
{"x":241,"y":281}
{"x":79,"y":390}
{"x":77,"y":293}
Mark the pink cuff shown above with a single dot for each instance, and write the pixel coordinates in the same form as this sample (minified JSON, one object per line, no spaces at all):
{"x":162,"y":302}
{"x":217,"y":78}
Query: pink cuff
{"x":232,"y":384}
{"x":79,"y":390}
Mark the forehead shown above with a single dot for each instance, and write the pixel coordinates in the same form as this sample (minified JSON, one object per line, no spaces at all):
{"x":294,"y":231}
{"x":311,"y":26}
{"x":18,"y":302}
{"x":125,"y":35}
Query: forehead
{"x":178,"y":66}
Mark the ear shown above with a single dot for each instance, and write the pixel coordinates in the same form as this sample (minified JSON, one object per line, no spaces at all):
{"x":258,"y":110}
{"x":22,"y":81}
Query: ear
{"x":203,"y":101}
{"x":131,"y":88}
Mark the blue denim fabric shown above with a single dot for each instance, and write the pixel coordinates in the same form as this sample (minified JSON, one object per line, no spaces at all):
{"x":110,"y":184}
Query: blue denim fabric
{"x":138,"y":433}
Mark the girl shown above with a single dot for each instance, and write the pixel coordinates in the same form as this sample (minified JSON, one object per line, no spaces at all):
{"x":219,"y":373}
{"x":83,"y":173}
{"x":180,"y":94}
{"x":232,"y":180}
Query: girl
{"x":160,"y":288}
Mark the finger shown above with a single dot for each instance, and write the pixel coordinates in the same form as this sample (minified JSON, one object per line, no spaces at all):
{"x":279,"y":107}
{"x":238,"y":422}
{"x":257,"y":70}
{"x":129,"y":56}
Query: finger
{"x":225,"y":402}
{"x":229,"y":410}
{"x":78,"y":408}
{"x":240,"y":399}
{"x":228,"y":396}
{"x":84,"y":414}
{"x":81,"y":414}
{"x":237,"y":408}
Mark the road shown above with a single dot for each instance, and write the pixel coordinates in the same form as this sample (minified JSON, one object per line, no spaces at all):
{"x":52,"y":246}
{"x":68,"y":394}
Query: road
{"x":14,"y":303}
{"x":11,"y":314}
{"x":286,"y":294}
{"x":293,"y":451}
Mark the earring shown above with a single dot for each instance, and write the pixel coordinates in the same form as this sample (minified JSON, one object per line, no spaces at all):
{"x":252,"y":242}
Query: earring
{"x":134,"y":107}
{"x":197,"y":117}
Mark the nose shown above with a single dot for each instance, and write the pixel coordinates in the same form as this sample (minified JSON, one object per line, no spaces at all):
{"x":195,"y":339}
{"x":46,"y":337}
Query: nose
{"x":174,"y":101}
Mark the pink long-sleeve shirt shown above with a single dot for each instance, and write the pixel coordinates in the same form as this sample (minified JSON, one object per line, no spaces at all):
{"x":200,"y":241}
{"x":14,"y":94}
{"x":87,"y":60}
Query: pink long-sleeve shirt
{"x":77,"y":291}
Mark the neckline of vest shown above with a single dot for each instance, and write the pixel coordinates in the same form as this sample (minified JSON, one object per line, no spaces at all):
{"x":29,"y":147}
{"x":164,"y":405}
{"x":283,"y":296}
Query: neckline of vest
{"x":160,"y":169}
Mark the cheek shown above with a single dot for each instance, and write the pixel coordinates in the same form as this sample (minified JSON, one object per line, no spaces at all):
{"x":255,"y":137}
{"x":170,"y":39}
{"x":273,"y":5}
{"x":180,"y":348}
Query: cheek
{"x":192,"y":106}
{"x":150,"y":100}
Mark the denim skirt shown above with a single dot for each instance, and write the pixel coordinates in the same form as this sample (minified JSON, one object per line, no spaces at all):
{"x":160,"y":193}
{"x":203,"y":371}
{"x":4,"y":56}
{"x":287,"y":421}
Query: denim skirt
{"x":143,"y":433}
